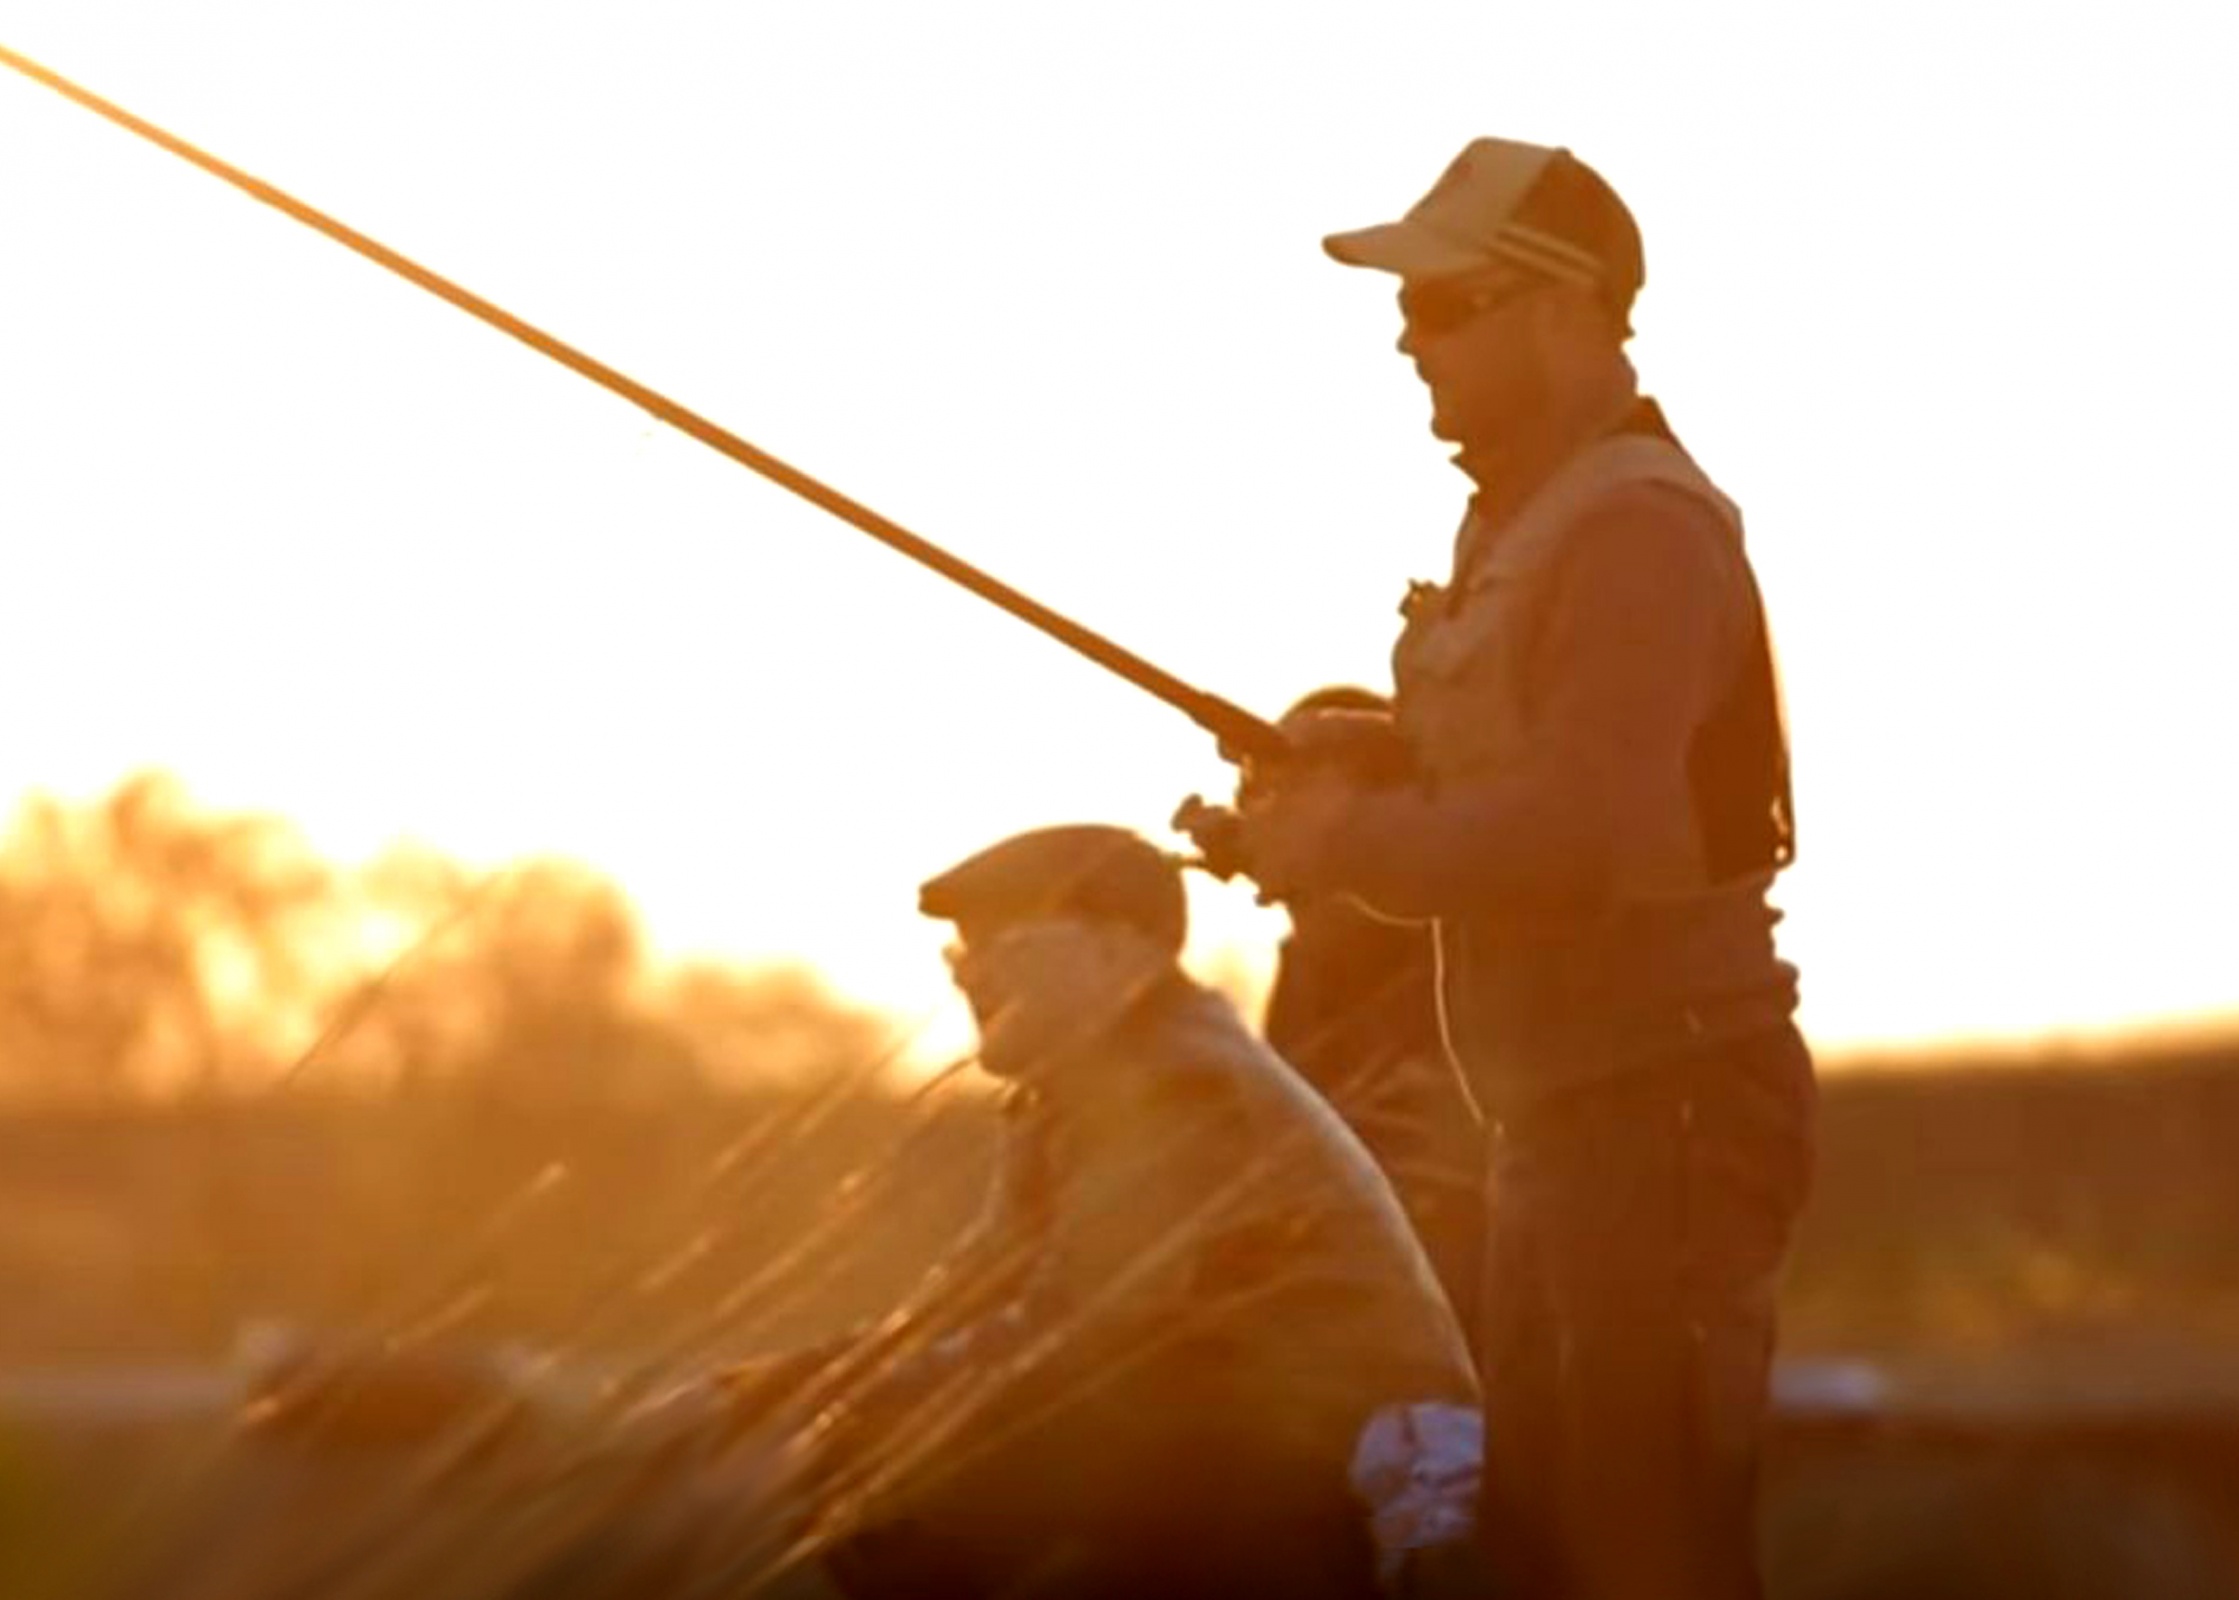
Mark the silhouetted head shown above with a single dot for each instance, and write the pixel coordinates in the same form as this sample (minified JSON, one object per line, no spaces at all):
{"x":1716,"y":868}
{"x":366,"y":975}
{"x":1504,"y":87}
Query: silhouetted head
{"x":1335,"y":697}
{"x":1517,"y":275}
{"x":1060,"y":932}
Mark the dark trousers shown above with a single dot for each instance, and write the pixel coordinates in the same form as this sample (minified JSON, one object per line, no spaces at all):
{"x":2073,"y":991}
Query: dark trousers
{"x":1145,"y":1491}
{"x":1625,"y":1323}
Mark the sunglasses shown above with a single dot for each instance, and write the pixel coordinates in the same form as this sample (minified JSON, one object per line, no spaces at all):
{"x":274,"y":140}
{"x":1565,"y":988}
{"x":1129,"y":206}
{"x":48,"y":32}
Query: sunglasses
{"x":1440,"y":305}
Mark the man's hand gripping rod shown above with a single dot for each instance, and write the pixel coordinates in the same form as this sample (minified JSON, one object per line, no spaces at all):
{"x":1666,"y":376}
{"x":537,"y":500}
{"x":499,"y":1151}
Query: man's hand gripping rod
{"x":1243,"y":737}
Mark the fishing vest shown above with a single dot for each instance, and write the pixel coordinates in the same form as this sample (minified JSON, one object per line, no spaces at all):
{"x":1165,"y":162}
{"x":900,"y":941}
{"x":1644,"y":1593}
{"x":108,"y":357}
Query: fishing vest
{"x":1531,"y":1002}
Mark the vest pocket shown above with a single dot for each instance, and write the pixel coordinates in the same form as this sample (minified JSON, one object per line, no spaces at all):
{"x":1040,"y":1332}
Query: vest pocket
{"x":1455,"y":676}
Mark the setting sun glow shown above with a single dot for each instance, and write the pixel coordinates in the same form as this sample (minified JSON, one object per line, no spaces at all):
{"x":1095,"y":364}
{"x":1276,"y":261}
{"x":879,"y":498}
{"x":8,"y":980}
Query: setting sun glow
{"x":1933,"y":292}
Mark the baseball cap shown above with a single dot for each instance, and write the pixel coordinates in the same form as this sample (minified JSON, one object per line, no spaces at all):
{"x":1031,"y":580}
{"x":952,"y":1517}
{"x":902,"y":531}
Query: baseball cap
{"x":1502,"y":201}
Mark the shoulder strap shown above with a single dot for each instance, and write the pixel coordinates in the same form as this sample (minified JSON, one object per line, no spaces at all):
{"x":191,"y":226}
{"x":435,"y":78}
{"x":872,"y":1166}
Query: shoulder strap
{"x":1614,"y":462}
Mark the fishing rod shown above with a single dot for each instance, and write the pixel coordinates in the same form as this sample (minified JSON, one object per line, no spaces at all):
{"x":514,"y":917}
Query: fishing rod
{"x":1242,"y":736}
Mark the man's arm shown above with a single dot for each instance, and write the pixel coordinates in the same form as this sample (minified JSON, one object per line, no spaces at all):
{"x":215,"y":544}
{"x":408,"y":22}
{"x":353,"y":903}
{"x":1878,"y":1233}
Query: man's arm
{"x":1640,"y":640}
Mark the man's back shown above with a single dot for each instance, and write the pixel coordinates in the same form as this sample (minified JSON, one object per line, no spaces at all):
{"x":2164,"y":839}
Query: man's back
{"x":1216,"y":1288}
{"x":1202,"y":1195}
{"x":1354,"y":1010}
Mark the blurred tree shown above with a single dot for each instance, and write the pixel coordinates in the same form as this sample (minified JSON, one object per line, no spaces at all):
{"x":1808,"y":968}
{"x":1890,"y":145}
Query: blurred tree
{"x":133,"y":931}
{"x":148,"y":946}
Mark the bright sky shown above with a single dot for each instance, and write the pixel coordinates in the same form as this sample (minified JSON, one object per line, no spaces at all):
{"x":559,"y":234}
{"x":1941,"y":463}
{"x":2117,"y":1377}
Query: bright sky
{"x":1940,"y":292}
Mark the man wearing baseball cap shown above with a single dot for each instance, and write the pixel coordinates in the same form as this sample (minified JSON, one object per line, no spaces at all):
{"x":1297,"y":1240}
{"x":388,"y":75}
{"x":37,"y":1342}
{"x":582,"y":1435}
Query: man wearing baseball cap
{"x":1598,"y":803}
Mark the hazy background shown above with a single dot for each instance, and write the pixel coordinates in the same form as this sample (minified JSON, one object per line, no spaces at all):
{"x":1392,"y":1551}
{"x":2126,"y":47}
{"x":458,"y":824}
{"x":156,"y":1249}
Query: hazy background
{"x":458,"y":840}
{"x":220,"y":1101}
{"x":1937,"y":292}
{"x":224,"y":1104}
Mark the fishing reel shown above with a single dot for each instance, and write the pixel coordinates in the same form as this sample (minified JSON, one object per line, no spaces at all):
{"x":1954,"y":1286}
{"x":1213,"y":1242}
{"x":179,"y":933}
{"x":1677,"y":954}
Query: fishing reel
{"x":1360,"y":742}
{"x":1218,"y":833}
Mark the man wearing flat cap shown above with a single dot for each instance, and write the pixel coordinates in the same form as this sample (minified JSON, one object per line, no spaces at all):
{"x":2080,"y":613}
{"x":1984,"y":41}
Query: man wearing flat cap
{"x":1191,"y":1292}
{"x":1598,"y":803}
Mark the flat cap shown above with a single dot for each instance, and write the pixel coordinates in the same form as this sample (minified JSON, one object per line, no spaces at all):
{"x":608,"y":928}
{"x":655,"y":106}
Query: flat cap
{"x":1087,"y":870}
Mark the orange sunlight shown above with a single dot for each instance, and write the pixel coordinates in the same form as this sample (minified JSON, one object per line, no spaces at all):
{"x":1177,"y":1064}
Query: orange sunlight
{"x":1938,"y":301}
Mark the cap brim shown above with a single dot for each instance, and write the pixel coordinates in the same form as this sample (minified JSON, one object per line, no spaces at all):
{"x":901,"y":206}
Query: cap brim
{"x":1405,"y":248}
